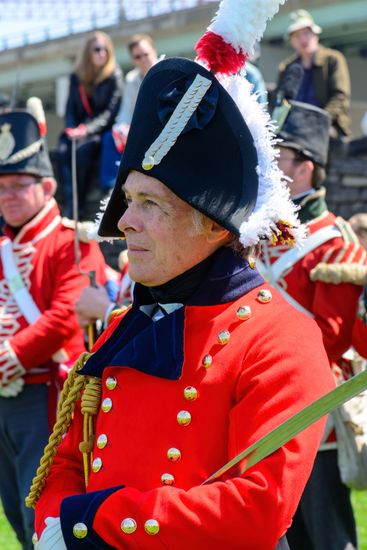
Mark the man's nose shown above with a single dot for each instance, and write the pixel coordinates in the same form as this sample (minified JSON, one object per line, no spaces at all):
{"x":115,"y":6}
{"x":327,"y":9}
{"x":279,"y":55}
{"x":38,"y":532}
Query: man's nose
{"x":127,"y":222}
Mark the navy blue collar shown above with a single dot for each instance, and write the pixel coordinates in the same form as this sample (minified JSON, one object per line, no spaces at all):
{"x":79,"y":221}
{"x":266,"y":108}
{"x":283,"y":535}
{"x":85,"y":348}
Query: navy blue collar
{"x":156,"y":348}
{"x":229,"y":277}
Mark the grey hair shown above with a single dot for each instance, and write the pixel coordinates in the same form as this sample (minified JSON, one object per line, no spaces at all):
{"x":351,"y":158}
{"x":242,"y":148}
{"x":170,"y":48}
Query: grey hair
{"x":199,"y":226}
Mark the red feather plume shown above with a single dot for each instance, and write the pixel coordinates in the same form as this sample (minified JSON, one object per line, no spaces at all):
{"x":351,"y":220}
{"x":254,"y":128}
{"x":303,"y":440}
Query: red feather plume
{"x":220,"y":56}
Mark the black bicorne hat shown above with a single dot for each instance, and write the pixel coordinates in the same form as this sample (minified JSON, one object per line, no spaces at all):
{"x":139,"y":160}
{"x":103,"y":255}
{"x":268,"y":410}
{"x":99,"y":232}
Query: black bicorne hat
{"x":22,"y":148}
{"x":306,"y":129}
{"x":199,"y":145}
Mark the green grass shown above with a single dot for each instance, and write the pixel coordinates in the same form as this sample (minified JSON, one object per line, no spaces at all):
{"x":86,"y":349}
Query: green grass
{"x":9,"y":542}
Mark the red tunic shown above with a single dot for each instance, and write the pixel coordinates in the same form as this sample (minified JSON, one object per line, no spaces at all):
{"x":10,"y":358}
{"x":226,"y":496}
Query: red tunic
{"x":45,"y":257}
{"x":262,"y":376}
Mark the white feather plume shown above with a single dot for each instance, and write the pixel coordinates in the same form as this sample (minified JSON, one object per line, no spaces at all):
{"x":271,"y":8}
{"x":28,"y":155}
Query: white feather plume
{"x":273,"y":201}
{"x":93,"y":232}
{"x":242,"y":22}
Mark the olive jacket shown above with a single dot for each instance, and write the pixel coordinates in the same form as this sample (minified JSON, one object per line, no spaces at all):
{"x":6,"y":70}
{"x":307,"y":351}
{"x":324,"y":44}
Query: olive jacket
{"x":331,"y":81}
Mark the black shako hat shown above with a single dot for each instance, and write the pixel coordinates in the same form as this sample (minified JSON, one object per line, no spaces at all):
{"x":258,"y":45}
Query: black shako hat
{"x":306,"y":129}
{"x":210,"y":162}
{"x":22,"y":148}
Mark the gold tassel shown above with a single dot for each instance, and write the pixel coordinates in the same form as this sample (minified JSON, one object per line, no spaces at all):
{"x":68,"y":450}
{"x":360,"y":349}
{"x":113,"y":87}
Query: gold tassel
{"x":91,"y":399}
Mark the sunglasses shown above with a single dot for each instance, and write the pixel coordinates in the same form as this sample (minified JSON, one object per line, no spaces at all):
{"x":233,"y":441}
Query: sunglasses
{"x":140,"y":56}
{"x":99,"y":49}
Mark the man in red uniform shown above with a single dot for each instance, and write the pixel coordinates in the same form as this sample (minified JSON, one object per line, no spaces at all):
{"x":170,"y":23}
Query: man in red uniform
{"x":321,"y":279}
{"x":207,"y":360}
{"x":39,"y":284}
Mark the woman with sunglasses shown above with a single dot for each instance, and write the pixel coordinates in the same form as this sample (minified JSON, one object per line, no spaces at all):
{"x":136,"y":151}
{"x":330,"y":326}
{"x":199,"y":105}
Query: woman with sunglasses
{"x":94,"y":99}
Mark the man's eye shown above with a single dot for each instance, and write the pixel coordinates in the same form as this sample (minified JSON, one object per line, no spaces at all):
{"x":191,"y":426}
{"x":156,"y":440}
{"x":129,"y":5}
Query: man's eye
{"x":149,"y":202}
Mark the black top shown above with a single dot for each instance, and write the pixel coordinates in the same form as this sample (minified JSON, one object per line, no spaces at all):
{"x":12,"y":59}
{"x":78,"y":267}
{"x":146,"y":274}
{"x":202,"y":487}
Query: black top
{"x":104,"y":101}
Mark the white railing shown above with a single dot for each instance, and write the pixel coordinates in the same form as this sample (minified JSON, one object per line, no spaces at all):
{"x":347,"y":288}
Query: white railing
{"x":25,"y":22}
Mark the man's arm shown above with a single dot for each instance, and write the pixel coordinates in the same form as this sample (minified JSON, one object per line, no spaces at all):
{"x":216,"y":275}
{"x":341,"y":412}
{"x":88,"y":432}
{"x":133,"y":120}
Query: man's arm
{"x":335,"y":308}
{"x":338,"y":86}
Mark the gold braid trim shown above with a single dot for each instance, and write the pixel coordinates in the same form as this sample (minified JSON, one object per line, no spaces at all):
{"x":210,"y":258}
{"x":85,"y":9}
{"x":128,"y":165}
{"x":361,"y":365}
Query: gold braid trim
{"x":177,"y":122}
{"x":115,"y":313}
{"x":339,"y":273}
{"x":71,"y":393}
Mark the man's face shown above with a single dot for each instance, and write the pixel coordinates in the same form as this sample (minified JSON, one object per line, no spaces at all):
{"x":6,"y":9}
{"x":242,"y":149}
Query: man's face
{"x":289,"y":165}
{"x":159,"y":232}
{"x":143,"y":56}
{"x":22,"y":196}
{"x":304,"y":41}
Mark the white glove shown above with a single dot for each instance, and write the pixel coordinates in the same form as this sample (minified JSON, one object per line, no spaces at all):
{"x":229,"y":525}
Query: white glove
{"x":10,"y":367}
{"x":13,"y":389}
{"x":51,"y":538}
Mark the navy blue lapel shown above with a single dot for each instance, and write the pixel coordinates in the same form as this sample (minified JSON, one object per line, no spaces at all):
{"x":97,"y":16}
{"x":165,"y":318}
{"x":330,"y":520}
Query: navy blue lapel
{"x":155,"y":348}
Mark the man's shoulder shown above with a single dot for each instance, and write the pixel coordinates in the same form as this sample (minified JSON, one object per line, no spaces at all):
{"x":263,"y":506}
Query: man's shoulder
{"x":341,"y":259}
{"x":288,"y":61}
{"x":85,"y":229}
{"x":323,"y":54}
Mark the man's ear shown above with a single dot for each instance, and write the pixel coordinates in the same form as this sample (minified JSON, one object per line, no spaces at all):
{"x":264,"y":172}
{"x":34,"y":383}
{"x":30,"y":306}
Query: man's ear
{"x":49,"y":186}
{"x":216,"y":234}
{"x":305,"y":170}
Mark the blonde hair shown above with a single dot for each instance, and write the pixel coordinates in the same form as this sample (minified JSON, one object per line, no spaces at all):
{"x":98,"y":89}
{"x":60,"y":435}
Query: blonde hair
{"x":87,"y":73}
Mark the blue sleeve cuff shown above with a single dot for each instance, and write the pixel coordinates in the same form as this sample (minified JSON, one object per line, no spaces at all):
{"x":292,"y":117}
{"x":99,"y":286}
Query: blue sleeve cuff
{"x":77,"y":516}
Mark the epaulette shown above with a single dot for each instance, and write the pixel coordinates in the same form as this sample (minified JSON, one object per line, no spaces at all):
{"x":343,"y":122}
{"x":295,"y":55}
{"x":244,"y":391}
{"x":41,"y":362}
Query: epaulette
{"x":346,"y":230}
{"x":116,"y":313}
{"x":84,"y":228}
{"x":350,"y":251}
{"x":339,"y":273}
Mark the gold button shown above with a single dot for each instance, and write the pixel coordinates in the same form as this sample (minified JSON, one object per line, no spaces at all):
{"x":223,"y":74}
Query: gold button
{"x":111,"y":383}
{"x":34,"y":538}
{"x":102,"y":441}
{"x":264,"y":296}
{"x":167,"y":479}
{"x":184,"y":418}
{"x":148,"y":163}
{"x":128,"y":526}
{"x":223,"y":337}
{"x":80,"y":530}
{"x":106,"y":404}
{"x":96,"y":465}
{"x":173,"y":454}
{"x":190,"y":393}
{"x":151,"y":526}
{"x":207,"y":361}
{"x":244,"y":313}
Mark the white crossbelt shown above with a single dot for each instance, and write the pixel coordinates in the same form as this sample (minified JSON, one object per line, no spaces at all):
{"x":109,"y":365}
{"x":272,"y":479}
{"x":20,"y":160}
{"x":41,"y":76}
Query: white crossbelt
{"x":21,"y":294}
{"x":273,"y":272}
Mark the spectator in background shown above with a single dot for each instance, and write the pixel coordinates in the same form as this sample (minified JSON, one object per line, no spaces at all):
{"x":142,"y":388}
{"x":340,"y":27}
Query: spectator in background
{"x":143,"y":56}
{"x":93,"y":103}
{"x":326,"y":81}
